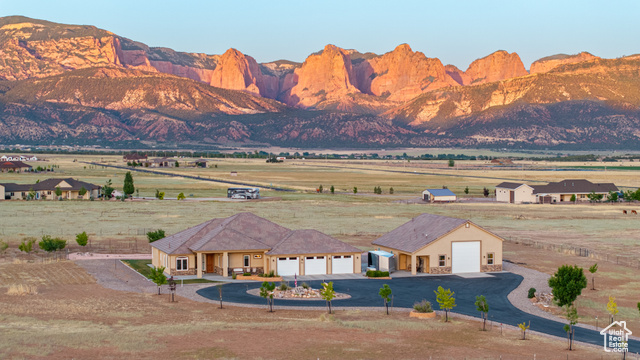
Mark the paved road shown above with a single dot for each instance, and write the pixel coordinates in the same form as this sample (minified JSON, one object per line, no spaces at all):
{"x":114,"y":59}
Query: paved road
{"x":407,"y":291}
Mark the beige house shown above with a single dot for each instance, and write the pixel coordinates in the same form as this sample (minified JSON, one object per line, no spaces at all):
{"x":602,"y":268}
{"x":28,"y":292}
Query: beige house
{"x":442,"y":245}
{"x":248,"y":243}
{"x":514,"y":193}
{"x":46,"y":190}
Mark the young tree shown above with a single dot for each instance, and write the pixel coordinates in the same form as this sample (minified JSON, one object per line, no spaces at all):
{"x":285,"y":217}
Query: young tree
{"x":593,"y":197}
{"x":483,"y":306}
{"x":466,"y":190}
{"x":266,"y":291}
{"x":58,"y":192}
{"x":446,"y":301}
{"x":385,"y":294}
{"x":573,"y":198}
{"x":220,"y":293}
{"x":355,"y":190}
{"x":524,"y":327}
{"x":158,"y":277}
{"x":32,"y":194}
{"x":485,"y":191}
{"x":107,"y":190}
{"x":327,"y":293}
{"x":332,"y":189}
{"x":159,"y":194}
{"x":50,"y":244}
{"x":613,"y":196}
{"x":3,"y":247}
{"x":451,"y":162}
{"x":572,"y":316}
{"x":82,"y":191}
{"x":181,"y":196}
{"x":567,"y":284}
{"x":629,"y":195}
{"x":82,"y":239}
{"x":155,"y":235}
{"x":391,"y":191}
{"x":592,"y":269}
{"x":177,"y":164}
{"x":27,"y":245}
{"x":320,"y":189}
{"x":612,"y":308}
{"x":128,"y":189}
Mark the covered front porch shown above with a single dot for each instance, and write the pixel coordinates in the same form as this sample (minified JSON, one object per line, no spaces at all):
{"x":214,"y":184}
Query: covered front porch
{"x":226,"y":263}
{"x":414,"y":263}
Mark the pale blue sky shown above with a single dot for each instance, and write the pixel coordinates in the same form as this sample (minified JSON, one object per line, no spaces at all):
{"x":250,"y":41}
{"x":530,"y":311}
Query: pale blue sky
{"x":457,"y":32}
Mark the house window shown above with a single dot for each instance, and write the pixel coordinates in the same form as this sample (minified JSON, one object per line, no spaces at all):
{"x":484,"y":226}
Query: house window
{"x":490,"y":257}
{"x":182,"y":264}
{"x":246,"y":261}
{"x":442,"y":260}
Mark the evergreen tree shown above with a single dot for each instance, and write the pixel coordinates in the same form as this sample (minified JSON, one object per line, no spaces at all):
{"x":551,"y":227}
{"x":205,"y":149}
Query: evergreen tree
{"x":128,"y":187}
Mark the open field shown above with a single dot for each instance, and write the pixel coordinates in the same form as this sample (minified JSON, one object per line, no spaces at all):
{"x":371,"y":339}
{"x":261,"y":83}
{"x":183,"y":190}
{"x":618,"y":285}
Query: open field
{"x":82,"y":319}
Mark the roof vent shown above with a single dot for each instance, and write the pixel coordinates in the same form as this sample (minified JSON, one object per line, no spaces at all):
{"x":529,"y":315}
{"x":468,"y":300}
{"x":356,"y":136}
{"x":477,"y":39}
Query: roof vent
{"x":426,"y":235}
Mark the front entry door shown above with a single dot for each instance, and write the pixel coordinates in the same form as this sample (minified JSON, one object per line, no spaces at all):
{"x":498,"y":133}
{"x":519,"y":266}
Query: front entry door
{"x":210,"y":263}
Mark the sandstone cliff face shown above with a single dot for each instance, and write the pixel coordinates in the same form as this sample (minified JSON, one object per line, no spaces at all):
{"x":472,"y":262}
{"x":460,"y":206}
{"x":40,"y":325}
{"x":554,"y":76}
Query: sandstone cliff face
{"x":237,"y":71}
{"x":498,"y":66}
{"x":321,"y":77}
{"x":547,"y":64}
{"x":457,"y":75}
{"x":401,"y":74}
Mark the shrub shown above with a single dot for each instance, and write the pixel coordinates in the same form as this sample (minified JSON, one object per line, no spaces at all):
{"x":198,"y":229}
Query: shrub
{"x":3,"y":246}
{"x":181,"y":196}
{"x":532,"y":293}
{"x":246,"y":274}
{"x":27,"y":244}
{"x":377,"y":273}
{"x":283,"y":286}
{"x":269,"y":275}
{"x":50,"y":244}
{"x":155,"y":235}
{"x":306,"y":286}
{"x":423,"y":307}
{"x":233,"y":275}
{"x":82,"y":239}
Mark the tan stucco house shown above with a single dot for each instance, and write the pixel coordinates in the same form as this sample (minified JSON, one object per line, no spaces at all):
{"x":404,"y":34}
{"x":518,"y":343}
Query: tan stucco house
{"x":442,"y":245}
{"x":248,"y":243}
{"x":46,"y":190}
{"x":553,"y":192}
{"x":514,"y":193}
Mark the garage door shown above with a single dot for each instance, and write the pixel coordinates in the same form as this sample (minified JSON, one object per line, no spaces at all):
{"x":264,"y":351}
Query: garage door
{"x":465,"y":257}
{"x":288,"y":266}
{"x":342,"y":264}
{"x":315,"y":265}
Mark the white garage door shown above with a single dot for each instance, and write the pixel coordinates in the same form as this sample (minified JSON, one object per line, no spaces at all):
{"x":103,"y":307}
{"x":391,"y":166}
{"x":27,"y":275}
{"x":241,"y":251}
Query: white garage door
{"x":342,"y":264}
{"x":465,"y":257}
{"x":288,"y":266}
{"x":315,"y":265}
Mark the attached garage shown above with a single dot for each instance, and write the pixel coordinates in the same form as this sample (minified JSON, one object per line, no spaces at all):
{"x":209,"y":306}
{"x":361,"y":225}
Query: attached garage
{"x":342,"y":264}
{"x":465,"y":256}
{"x":288,"y":266}
{"x":315,"y":265}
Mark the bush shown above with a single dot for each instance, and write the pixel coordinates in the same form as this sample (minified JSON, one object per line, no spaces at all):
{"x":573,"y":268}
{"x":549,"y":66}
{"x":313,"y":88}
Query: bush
{"x":181,"y":196}
{"x":269,"y":275}
{"x":3,"y":247}
{"x":423,"y":307}
{"x":27,"y":244}
{"x":233,"y":275}
{"x":284,"y":286}
{"x":82,"y":239}
{"x":50,"y":244}
{"x":532,"y":293}
{"x":377,"y":273}
{"x":155,"y":235}
{"x":306,"y":286}
{"x":246,"y":274}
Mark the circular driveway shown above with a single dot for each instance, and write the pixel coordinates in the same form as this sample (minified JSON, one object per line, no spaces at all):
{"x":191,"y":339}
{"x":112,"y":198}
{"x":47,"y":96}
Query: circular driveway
{"x":409,"y":290}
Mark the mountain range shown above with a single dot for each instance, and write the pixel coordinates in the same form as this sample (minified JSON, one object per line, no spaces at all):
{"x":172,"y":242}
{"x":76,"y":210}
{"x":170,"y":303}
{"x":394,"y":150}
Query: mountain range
{"x":80,"y":84}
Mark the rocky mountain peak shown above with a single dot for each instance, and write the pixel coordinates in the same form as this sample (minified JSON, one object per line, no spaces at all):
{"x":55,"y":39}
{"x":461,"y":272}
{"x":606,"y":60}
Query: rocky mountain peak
{"x":547,"y":64}
{"x":497,"y":66}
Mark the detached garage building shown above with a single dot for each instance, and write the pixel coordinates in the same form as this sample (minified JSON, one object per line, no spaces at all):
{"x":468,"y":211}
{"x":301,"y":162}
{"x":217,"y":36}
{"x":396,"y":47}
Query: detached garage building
{"x":248,"y":243}
{"x":442,"y":245}
{"x":514,"y":193}
{"x":439,"y":195}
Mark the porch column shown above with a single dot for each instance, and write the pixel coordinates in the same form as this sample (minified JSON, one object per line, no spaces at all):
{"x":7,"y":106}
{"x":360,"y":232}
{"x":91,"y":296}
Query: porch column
{"x":199,"y":264}
{"x":225,"y":264}
{"x":414,"y":266}
{"x":265,"y":263}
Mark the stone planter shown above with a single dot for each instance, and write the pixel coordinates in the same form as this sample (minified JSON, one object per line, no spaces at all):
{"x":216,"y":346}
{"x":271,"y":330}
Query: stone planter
{"x":419,"y":315}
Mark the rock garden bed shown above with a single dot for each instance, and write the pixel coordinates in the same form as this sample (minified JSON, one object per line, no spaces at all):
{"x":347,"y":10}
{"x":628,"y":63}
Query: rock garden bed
{"x":299,"y":293}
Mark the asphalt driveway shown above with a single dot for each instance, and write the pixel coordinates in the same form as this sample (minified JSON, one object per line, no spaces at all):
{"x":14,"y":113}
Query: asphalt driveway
{"x":407,"y":291}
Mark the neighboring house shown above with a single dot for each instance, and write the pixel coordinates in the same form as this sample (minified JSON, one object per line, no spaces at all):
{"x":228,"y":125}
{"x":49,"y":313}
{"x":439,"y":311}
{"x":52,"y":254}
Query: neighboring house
{"x":160,"y":162}
{"x":14,"y":165}
{"x":198,"y":163}
{"x":502,"y":162}
{"x":248,"y":243}
{"x":554,"y":192}
{"x":514,"y":193}
{"x":134,"y":157}
{"x":438,"y":195}
{"x":18,"y":158}
{"x":442,"y":245}
{"x":47,"y":190}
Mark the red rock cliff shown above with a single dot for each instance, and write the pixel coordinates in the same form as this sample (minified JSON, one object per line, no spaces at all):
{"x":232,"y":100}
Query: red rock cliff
{"x":546,"y":64}
{"x":498,"y":66}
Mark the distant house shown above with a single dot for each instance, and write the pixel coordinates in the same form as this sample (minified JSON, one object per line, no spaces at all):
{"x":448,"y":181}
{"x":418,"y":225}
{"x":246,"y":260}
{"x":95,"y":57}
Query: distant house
{"x":553,"y":192}
{"x":199,"y":163}
{"x":18,"y":158}
{"x":514,"y":193}
{"x":281,"y":158}
{"x":502,"y":162}
{"x":15,"y":166}
{"x":160,"y":162}
{"x":134,"y":157}
{"x":439,"y":195}
{"x":47,"y":190}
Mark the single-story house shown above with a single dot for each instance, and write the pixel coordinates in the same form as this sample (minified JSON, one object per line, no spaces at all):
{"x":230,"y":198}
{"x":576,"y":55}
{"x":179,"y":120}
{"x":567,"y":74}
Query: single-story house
{"x":160,"y":162}
{"x":553,"y":192}
{"x":14,"y":165}
{"x":439,"y":195}
{"x":442,"y":245}
{"x":514,"y":193}
{"x":134,"y":157}
{"x":248,"y":243}
{"x":46,"y":189}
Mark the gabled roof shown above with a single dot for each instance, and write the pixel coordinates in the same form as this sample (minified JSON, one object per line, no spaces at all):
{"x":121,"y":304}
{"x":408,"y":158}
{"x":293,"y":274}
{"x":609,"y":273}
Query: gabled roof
{"x":511,"y":185}
{"x":419,"y":232}
{"x":440,"y":192}
{"x":572,"y":186}
{"x":51,"y":184}
{"x":311,"y":242}
{"x":13,"y":165}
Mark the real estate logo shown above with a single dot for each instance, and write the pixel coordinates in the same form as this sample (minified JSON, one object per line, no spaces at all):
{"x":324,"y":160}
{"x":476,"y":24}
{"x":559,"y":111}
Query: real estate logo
{"x":616,"y":337}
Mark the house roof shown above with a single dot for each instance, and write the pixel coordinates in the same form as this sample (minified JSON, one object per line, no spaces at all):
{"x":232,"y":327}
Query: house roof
{"x":51,"y":184}
{"x":311,"y":242}
{"x":510,"y":185}
{"x":419,"y":232}
{"x":13,"y":165}
{"x":572,"y":186}
{"x":441,"y":192}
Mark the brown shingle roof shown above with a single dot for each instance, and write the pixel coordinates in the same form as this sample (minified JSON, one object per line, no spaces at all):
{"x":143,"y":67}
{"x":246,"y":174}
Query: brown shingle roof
{"x":510,"y":185}
{"x":311,"y":242}
{"x":13,"y":165}
{"x":51,"y":184}
{"x":574,"y":186}
{"x":418,"y":232}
